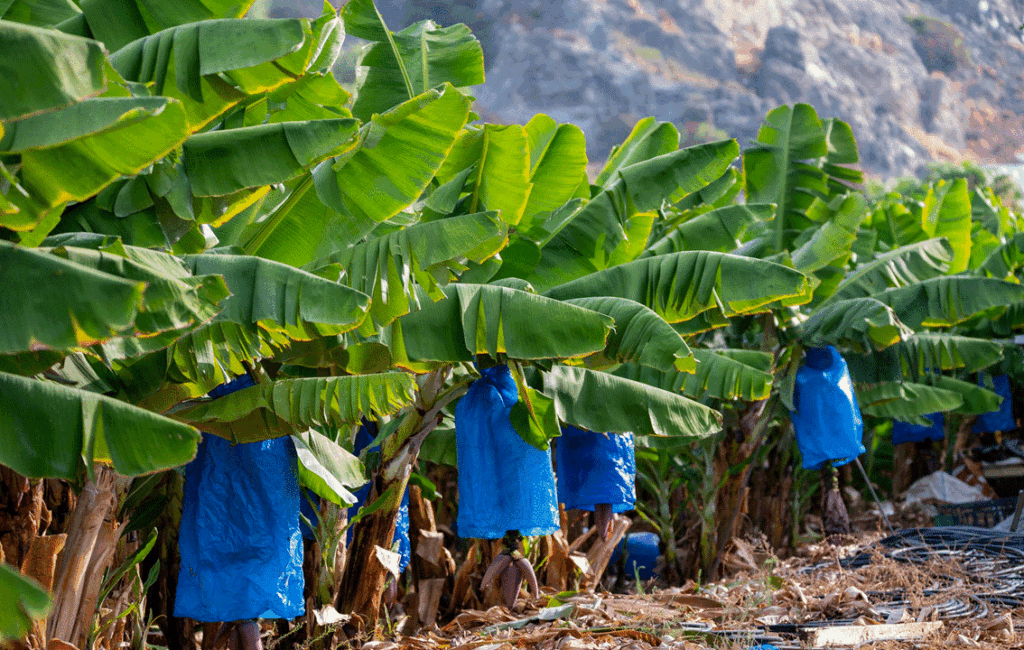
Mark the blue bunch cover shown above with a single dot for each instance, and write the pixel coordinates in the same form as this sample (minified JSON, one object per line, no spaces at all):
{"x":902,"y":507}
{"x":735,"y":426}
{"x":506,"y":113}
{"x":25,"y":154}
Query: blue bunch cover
{"x":504,"y":483}
{"x":641,"y":554}
{"x":826,"y":418}
{"x":365,"y":436}
{"x":1001,"y":420}
{"x":906,"y":432}
{"x":241,"y":549}
{"x":595,"y":468}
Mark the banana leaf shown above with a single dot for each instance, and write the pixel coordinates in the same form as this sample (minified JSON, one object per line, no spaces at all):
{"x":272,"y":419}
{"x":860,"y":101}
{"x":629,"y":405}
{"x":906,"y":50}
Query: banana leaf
{"x":648,"y":139}
{"x":931,"y":351}
{"x":49,"y":302}
{"x":500,"y":157}
{"x":681,"y":286}
{"x":223,"y":162}
{"x":721,"y":374}
{"x":22,"y":600}
{"x":640,"y":336}
{"x":949,"y":300}
{"x":211,"y":66}
{"x":119,"y":22}
{"x":719,"y":230}
{"x":399,"y":153}
{"x":614,"y":226}
{"x":280,"y":298}
{"x":327,"y":468}
{"x":484,"y":319}
{"x":904,"y":266}
{"x":49,"y":430}
{"x":863,"y":324}
{"x":917,"y":401}
{"x":290,"y":406}
{"x":387,"y":268}
{"x":558,"y":159}
{"x":53,"y":70}
{"x":598,"y":401}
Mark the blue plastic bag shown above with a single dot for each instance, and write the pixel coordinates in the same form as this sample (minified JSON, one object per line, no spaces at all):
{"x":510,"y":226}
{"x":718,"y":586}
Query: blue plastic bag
{"x":240,"y":544}
{"x":827,"y":420}
{"x":595,"y":468}
{"x":1001,"y":420}
{"x":641,"y":554}
{"x":365,"y":436}
{"x":906,"y":432}
{"x":504,"y":483}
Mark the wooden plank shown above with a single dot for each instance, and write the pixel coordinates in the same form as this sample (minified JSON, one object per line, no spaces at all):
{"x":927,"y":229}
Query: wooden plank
{"x":848,"y":635}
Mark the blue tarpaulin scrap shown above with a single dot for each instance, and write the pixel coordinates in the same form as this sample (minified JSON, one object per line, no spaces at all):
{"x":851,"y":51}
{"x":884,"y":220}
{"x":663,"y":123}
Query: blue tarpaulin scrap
{"x":826,"y":419}
{"x":504,"y":483}
{"x":365,"y":436}
{"x":641,"y":554}
{"x":241,"y":549}
{"x":906,"y":432}
{"x":1001,"y":420}
{"x":595,"y":468}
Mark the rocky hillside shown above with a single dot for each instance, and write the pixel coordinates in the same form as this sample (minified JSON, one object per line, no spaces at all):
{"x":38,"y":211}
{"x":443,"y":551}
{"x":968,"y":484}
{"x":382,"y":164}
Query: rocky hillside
{"x":918,"y":81}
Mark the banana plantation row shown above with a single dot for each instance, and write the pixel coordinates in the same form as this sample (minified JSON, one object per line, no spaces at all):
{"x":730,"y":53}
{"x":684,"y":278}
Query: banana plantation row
{"x":189,"y":197}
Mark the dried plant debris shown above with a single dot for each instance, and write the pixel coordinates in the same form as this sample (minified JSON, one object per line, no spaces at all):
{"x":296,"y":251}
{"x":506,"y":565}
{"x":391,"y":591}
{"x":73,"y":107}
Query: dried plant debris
{"x":951,"y":587}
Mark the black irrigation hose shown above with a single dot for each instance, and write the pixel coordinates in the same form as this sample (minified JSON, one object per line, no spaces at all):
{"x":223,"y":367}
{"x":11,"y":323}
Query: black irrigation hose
{"x":995,"y":558}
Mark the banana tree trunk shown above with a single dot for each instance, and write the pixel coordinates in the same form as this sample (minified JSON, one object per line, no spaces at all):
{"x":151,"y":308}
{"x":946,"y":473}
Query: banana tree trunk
{"x":363,"y":581}
{"x":87,"y":553}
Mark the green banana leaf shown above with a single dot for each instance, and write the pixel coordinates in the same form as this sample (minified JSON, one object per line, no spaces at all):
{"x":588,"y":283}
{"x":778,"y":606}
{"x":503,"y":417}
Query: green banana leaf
{"x":399,"y":153}
{"x":49,"y":302}
{"x":500,"y":157}
{"x":289,"y":406}
{"x":51,"y":69}
{"x":173,"y":298}
{"x":22,"y":600}
{"x":297,"y":231}
{"x":917,"y":401}
{"x":105,"y":138}
{"x":49,"y":430}
{"x":947,"y":213}
{"x":681,"y":286}
{"x":217,"y":352}
{"x":312,"y":97}
{"x":648,"y":139}
{"x":932,"y":351}
{"x":614,"y":226}
{"x":212,"y":65}
{"x":223,"y":162}
{"x":863,"y":324}
{"x":326,"y":468}
{"x":602,"y":402}
{"x":720,"y":230}
{"x":388,"y":267}
{"x":773,"y":169}
{"x":280,"y":298}
{"x":119,"y":22}
{"x":976,"y":399}
{"x":401,"y":65}
{"x":1004,"y":261}
{"x":558,"y":160}
{"x":485,"y":319}
{"x":904,"y":266}
{"x":640,"y":336}
{"x":949,"y":300}
{"x":39,"y":13}
{"x":897,"y":224}
{"x":720,"y":374}
{"x":835,"y":237}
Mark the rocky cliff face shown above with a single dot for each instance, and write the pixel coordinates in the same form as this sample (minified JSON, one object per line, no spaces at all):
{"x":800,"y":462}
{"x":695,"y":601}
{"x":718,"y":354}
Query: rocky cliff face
{"x":917,"y":81}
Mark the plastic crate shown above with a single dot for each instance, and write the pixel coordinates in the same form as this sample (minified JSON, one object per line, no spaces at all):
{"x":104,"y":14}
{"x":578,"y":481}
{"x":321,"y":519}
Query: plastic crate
{"x":984,"y":514}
